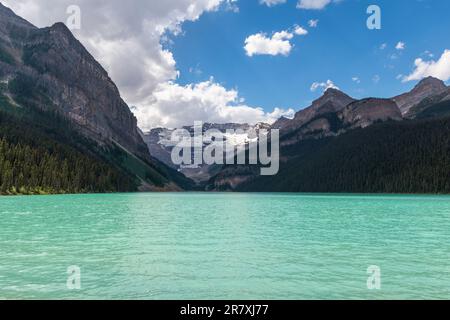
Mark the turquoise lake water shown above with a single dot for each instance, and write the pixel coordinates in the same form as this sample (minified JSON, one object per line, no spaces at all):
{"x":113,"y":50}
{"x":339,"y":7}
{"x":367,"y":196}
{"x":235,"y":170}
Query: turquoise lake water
{"x":224,"y":246}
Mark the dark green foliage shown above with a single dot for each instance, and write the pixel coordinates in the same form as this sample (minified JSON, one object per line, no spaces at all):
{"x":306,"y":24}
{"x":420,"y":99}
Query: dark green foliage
{"x":6,"y":57}
{"x":31,"y":54}
{"x":394,"y":157}
{"x":441,"y":109}
{"x":36,"y":110}
{"x":39,"y":158}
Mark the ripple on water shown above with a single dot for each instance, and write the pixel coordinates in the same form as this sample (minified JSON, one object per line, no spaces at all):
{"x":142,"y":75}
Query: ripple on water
{"x":225,"y":246}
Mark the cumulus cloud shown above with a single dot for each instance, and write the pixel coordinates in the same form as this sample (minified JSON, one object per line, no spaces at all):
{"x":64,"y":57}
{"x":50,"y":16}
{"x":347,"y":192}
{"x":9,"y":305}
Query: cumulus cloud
{"x":300,"y":31}
{"x":323,"y":85}
{"x":277,"y":44}
{"x":313,"y":4}
{"x":261,"y":44}
{"x":126,"y":39}
{"x":174,"y":106}
{"x":271,"y":3}
{"x":115,"y":31}
{"x":439,"y":69}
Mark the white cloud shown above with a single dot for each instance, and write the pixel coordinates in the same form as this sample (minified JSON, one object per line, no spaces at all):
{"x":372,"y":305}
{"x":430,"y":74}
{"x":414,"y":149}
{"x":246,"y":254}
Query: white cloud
{"x":271,"y":3}
{"x":127,"y":42}
{"x":125,"y":39}
{"x":261,"y":44}
{"x":383,"y":46}
{"x":356,"y":79}
{"x":323,"y":85}
{"x":439,"y":69}
{"x":313,"y":23}
{"x":277,"y":44}
{"x":174,"y":106}
{"x":313,"y":4}
{"x":300,"y":31}
{"x":376,"y":79}
{"x":231,"y":5}
{"x":400,"y":46}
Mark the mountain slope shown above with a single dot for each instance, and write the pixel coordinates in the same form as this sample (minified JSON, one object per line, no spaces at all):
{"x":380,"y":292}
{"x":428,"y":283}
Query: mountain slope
{"x":48,"y":70}
{"x":46,"y":155}
{"x":160,"y":145}
{"x":393,"y":157}
{"x":332,"y":100}
{"x":329,"y":123}
{"x":426,"y":88}
{"x":368,"y":146}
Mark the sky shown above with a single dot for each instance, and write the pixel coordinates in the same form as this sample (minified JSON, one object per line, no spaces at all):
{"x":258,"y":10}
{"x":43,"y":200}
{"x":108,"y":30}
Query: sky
{"x":180,"y":61}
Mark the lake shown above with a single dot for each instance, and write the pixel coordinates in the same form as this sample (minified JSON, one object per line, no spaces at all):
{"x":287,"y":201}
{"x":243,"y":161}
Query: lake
{"x":224,"y":246}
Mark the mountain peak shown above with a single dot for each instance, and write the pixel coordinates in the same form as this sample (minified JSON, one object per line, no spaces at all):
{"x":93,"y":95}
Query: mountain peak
{"x":335,"y":96}
{"x":426,"y":88}
{"x":431,"y":81}
{"x":332,"y":91}
{"x":61,"y":27}
{"x":7,"y":15}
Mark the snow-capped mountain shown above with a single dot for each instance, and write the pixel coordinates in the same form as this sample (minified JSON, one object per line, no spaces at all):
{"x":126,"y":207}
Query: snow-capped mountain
{"x":161,"y":143}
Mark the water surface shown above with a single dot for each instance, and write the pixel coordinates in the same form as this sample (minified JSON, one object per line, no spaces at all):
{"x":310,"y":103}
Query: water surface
{"x":224,"y":246}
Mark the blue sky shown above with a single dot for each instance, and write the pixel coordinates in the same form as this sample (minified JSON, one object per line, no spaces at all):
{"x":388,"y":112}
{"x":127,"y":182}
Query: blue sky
{"x":180,"y":61}
{"x":339,"y":49}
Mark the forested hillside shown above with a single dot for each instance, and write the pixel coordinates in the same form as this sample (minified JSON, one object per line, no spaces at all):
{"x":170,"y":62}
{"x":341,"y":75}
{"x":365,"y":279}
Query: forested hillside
{"x":393,"y":157}
{"x":42,"y":158}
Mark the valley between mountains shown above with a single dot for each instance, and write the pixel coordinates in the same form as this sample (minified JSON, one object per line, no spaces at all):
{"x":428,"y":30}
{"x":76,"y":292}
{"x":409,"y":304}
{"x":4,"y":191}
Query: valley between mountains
{"x":64,"y":128}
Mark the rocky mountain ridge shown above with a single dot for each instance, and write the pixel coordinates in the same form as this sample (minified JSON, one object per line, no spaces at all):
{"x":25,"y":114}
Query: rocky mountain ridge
{"x":328,"y":120}
{"x":336,"y":113}
{"x":49,"y":70}
{"x":426,"y":88}
{"x":160,"y":144}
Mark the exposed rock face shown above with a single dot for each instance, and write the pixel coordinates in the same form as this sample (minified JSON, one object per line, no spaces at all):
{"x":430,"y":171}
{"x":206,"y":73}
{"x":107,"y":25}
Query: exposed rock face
{"x":66,"y":78}
{"x":281,"y":123}
{"x":336,"y":113}
{"x":426,"y":88}
{"x":431,"y":107}
{"x":160,"y":145}
{"x":333,"y":100}
{"x":363,"y":113}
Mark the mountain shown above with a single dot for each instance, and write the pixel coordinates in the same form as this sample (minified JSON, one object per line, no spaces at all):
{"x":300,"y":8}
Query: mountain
{"x":335,"y":113}
{"x":365,"y":146}
{"x":410,"y":156}
{"x":426,"y":88}
{"x":332,"y":100}
{"x":331,"y":114}
{"x":432,"y":106}
{"x":364,"y":113}
{"x":65,"y":128}
{"x":47,"y":71}
{"x":160,"y":144}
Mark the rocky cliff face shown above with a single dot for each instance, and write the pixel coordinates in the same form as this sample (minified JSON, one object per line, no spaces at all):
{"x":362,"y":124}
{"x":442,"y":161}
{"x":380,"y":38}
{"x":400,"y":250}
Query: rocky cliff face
{"x":48,"y":71}
{"x":426,"y":88}
{"x":55,"y":72}
{"x":332,"y":100}
{"x":364,"y":113}
{"x":336,"y":113}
